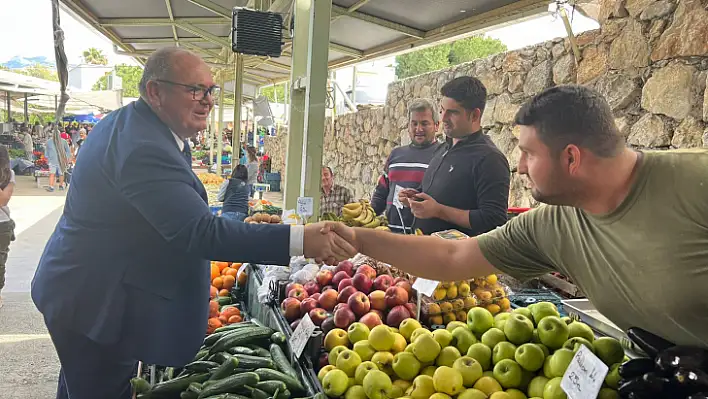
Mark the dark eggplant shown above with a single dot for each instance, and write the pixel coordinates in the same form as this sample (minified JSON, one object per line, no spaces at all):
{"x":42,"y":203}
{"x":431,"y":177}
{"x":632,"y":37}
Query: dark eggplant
{"x":634,"y":386}
{"x":688,"y":357}
{"x":656,"y":384}
{"x":635,"y":368}
{"x":699,"y":395}
{"x":651,"y":344}
{"x":689,"y":381}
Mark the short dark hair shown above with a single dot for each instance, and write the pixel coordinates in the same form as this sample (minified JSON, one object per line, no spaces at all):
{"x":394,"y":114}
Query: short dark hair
{"x":572,"y":114}
{"x":468,"y":91}
{"x":240,"y":172}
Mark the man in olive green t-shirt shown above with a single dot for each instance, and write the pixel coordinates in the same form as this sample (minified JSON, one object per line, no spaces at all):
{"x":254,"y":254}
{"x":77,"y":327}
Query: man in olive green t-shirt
{"x":630,"y":228}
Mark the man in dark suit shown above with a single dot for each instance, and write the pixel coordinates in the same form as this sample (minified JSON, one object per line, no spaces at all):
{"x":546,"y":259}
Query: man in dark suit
{"x":125,"y":275}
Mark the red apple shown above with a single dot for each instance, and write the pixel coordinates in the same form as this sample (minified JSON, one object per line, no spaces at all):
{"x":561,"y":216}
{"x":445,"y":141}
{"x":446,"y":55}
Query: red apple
{"x":397,"y":279}
{"x":382,"y":282}
{"x":324,"y":277}
{"x":312,"y":288}
{"x":328,"y":325}
{"x":298,"y":293}
{"x":340,"y":306}
{"x":359,"y":304}
{"x":315,"y":296}
{"x":339,"y":276}
{"x":368,"y":270}
{"x":292,"y":286}
{"x":343,"y":318}
{"x":344,"y":283}
{"x":396,"y":296}
{"x":412,"y":309}
{"x":294,"y":324}
{"x":406,"y":286}
{"x":345,"y":293}
{"x":362,"y":282}
{"x":307,"y":305}
{"x":371,"y":319}
{"x":327,"y":287}
{"x":318,"y":315}
{"x":380,"y":313}
{"x":378,"y":300}
{"x":345,"y":266}
{"x":328,"y":299}
{"x":397,"y":315}
{"x":291,"y":308}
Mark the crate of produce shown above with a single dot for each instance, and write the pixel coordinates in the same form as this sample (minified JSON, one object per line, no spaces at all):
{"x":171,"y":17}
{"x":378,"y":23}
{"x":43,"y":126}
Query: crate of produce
{"x":526,"y":296}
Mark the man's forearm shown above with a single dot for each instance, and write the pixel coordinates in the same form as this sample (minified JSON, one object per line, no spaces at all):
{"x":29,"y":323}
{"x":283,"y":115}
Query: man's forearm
{"x":458,"y":217}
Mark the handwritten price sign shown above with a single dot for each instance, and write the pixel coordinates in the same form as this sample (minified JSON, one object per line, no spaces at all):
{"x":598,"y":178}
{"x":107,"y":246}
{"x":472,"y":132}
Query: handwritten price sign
{"x":301,"y":335}
{"x":584,"y":376}
{"x":305,"y":206}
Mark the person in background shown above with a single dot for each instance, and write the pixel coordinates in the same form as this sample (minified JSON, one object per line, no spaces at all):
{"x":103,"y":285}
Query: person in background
{"x":48,"y":130}
{"x":7,"y":225}
{"x":28,"y":143}
{"x":406,"y":165}
{"x":252,"y":166}
{"x":53,"y":160}
{"x":234,"y":193}
{"x":243,"y":159}
{"x":333,"y":196}
{"x":82,"y":137}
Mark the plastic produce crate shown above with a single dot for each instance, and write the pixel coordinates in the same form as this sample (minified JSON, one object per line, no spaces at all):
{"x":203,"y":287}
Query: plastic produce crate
{"x":527,"y":296}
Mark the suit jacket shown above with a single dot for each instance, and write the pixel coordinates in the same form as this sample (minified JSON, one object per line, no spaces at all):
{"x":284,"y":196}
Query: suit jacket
{"x":128,"y":262}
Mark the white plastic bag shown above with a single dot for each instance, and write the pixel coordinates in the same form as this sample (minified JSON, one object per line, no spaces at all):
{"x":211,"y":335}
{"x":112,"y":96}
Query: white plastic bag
{"x":271,"y":273}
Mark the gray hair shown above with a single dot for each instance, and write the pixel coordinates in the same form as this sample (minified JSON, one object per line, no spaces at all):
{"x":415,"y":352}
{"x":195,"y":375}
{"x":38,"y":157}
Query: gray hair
{"x":160,"y":65}
{"x":421,"y":105}
{"x":82,"y":130}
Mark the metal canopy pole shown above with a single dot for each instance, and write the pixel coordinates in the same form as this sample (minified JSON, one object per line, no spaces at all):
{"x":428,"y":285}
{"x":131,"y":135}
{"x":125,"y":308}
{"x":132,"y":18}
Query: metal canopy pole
{"x":26,"y":110}
{"x":210,"y":138}
{"x":9,"y":106}
{"x":238,"y":103}
{"x":219,"y":131}
{"x":315,"y":97}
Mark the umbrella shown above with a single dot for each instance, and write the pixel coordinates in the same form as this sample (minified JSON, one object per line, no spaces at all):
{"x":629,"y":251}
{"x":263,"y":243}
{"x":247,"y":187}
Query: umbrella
{"x":63,"y":75}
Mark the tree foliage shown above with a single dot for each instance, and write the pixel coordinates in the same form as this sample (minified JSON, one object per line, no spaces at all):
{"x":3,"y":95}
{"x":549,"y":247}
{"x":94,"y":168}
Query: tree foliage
{"x":447,"y":54}
{"x":131,"y":79}
{"x":274,"y":93}
{"x":36,"y":71}
{"x":95,"y":56}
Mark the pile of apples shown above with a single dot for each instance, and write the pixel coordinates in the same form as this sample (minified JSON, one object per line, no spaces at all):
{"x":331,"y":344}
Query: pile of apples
{"x":515,"y":355}
{"x":338,"y":298}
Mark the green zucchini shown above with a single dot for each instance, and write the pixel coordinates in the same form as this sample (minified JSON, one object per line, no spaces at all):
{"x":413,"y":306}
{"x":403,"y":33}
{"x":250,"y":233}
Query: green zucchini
{"x":177,"y":385}
{"x":188,"y":395}
{"x":240,"y":337}
{"x":242,"y":350}
{"x":262,"y":352}
{"x":234,"y":326}
{"x":293,"y":384}
{"x":271,"y":386}
{"x":201,"y":366}
{"x":228,"y":384}
{"x":226,"y":369}
{"x":278,"y":338}
{"x":223,"y":300}
{"x":140,"y":385}
{"x":254,"y":362}
{"x":282,"y":363}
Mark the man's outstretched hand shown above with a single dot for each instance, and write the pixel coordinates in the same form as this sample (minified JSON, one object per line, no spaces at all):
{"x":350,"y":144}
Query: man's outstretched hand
{"x":324,"y":242}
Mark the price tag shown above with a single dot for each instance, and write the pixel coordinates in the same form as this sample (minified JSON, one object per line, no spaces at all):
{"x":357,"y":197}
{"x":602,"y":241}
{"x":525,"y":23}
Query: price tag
{"x":301,"y":335}
{"x":425,"y":286}
{"x":305,"y":206}
{"x":396,"y":202}
{"x":584,"y":376}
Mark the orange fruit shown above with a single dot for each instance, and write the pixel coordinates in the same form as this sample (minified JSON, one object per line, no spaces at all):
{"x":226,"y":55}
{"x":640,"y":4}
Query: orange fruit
{"x":223,"y":319}
{"x":213,"y":308}
{"x":235,"y":319}
{"x":225,"y":270}
{"x":494,"y":309}
{"x":228,"y":282}
{"x":218,"y":283}
{"x":222,"y":265}
{"x":236,"y":265}
{"x":213,"y":292}
{"x":224,"y":292}
{"x":215,"y":272}
{"x":228,"y":312}
{"x":242,"y":278}
{"x":230,"y":271}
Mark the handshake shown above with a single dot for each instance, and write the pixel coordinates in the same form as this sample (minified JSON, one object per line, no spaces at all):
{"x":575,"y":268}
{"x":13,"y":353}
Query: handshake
{"x":330,"y":242}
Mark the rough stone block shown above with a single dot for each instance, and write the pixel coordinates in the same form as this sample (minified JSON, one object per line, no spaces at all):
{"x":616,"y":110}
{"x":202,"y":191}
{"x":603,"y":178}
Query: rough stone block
{"x":688,"y":134}
{"x":649,"y":132}
{"x":687,"y":35}
{"x":669,"y":91}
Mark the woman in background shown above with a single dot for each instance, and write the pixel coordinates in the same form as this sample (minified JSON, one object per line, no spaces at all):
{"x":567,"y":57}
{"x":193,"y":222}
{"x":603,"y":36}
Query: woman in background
{"x":234,"y":193}
{"x":7,"y":226}
{"x":252,"y":166}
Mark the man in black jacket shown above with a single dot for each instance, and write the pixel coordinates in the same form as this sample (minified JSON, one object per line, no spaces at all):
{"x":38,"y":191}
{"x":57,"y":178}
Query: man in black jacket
{"x":466,"y":185}
{"x":407,"y":164}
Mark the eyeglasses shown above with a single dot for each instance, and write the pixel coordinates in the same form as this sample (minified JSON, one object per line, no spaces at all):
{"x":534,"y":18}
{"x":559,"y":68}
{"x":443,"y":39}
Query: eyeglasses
{"x":199,"y":93}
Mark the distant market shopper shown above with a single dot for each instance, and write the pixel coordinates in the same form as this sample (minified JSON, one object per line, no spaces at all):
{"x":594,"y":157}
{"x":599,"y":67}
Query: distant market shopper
{"x":234,"y":193}
{"x":7,"y":225}
{"x":333,"y":196}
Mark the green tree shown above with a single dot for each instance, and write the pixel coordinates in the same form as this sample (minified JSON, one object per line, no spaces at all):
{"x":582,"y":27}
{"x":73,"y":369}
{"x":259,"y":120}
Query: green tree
{"x":95,"y":56}
{"x":271,"y":92}
{"x":131,"y":79}
{"x":445,"y":55}
{"x":37,"y":71}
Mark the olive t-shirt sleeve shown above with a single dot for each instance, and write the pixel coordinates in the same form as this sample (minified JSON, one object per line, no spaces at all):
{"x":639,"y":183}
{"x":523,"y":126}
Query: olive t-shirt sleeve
{"x":513,"y":248}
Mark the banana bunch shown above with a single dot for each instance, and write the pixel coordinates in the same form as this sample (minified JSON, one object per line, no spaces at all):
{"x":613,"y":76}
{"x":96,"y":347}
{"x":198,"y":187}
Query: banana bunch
{"x":329,"y":216}
{"x":361,"y":214}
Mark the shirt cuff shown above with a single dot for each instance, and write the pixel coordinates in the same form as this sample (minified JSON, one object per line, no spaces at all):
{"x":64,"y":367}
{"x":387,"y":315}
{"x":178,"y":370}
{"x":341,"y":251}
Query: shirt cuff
{"x":297,"y":238}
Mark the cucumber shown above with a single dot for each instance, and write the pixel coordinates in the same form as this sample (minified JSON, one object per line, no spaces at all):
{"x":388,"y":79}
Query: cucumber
{"x":254,"y":362}
{"x":271,"y":386}
{"x":201,"y":355}
{"x":211,"y":339}
{"x":234,"y":326}
{"x":140,"y":385}
{"x":226,"y":369}
{"x":201,"y":366}
{"x":283,"y":395}
{"x":240,"y":337}
{"x":242,"y":350}
{"x":262,"y":352}
{"x":258,"y":394}
{"x":195,"y":387}
{"x":293,"y":384}
{"x":223,"y":300}
{"x":188,"y":395}
{"x":278,"y":338}
{"x":219,"y":358}
{"x":177,"y":385}
{"x":282,"y":363}
{"x":257,"y":322}
{"x":235,"y":396}
{"x":228,"y":384}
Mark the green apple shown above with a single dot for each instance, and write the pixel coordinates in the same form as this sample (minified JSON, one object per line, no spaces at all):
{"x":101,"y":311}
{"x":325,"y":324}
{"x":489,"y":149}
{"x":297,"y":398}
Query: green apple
{"x":479,"y":320}
{"x":544,"y":348}
{"x":447,"y":356}
{"x":500,"y":395}
{"x":608,"y":393}
{"x":405,"y":365}
{"x":335,"y":383}
{"x":364,"y":350}
{"x":553,"y":389}
{"x":451,"y":326}
{"x":448,"y":380}
{"x":355,"y":392}
{"x":348,"y":361}
{"x":529,"y":356}
{"x":407,"y":327}
{"x":362,"y":370}
{"x":567,"y":320}
{"x":352,"y":382}
{"x":546,"y":371}
{"x":488,"y":373}
{"x":336,"y":337}
{"x":426,"y":348}
{"x":443,"y":337}
{"x":613,"y":377}
{"x":481,"y":353}
{"x":429,"y":370}
{"x":470,"y":369}
{"x":500,"y":320}
{"x":472,"y":393}
{"x":422,"y":387}
{"x":518,"y":329}
{"x":536,"y":386}
{"x":493,"y":336}
{"x":357,"y":332}
{"x":403,"y":385}
{"x":324,"y":370}
{"x":560,"y":360}
{"x":515,"y":394}
{"x":609,"y":350}
{"x":488,"y":385}
{"x":377,"y":385}
{"x":384,"y":361}
{"x":463,"y":338}
{"x":503,"y":350}
{"x":523,"y":311}
{"x":552,"y":332}
{"x":399,"y":343}
{"x":508,"y":373}
{"x":534,"y":338}
{"x":526,"y":377}
{"x":580,"y":329}
{"x":382,"y":338}
{"x":440,"y":395}
{"x":543,"y":309}
{"x":332,"y":356}
{"x":409,"y":348}
{"x":575,"y":343}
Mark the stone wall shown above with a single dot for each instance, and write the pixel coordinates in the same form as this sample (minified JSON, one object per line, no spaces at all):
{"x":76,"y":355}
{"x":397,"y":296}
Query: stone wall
{"x":649,"y":58}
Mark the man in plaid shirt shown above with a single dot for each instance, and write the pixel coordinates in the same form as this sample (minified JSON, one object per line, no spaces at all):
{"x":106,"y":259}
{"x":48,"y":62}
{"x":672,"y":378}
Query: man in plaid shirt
{"x":333,"y":196}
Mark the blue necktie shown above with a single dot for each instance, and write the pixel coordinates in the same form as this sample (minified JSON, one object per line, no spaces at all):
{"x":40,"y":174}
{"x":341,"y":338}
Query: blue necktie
{"x":187,"y":153}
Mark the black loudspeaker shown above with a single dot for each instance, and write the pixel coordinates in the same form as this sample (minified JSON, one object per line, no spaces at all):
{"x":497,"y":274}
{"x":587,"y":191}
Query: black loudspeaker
{"x":257,"y":32}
